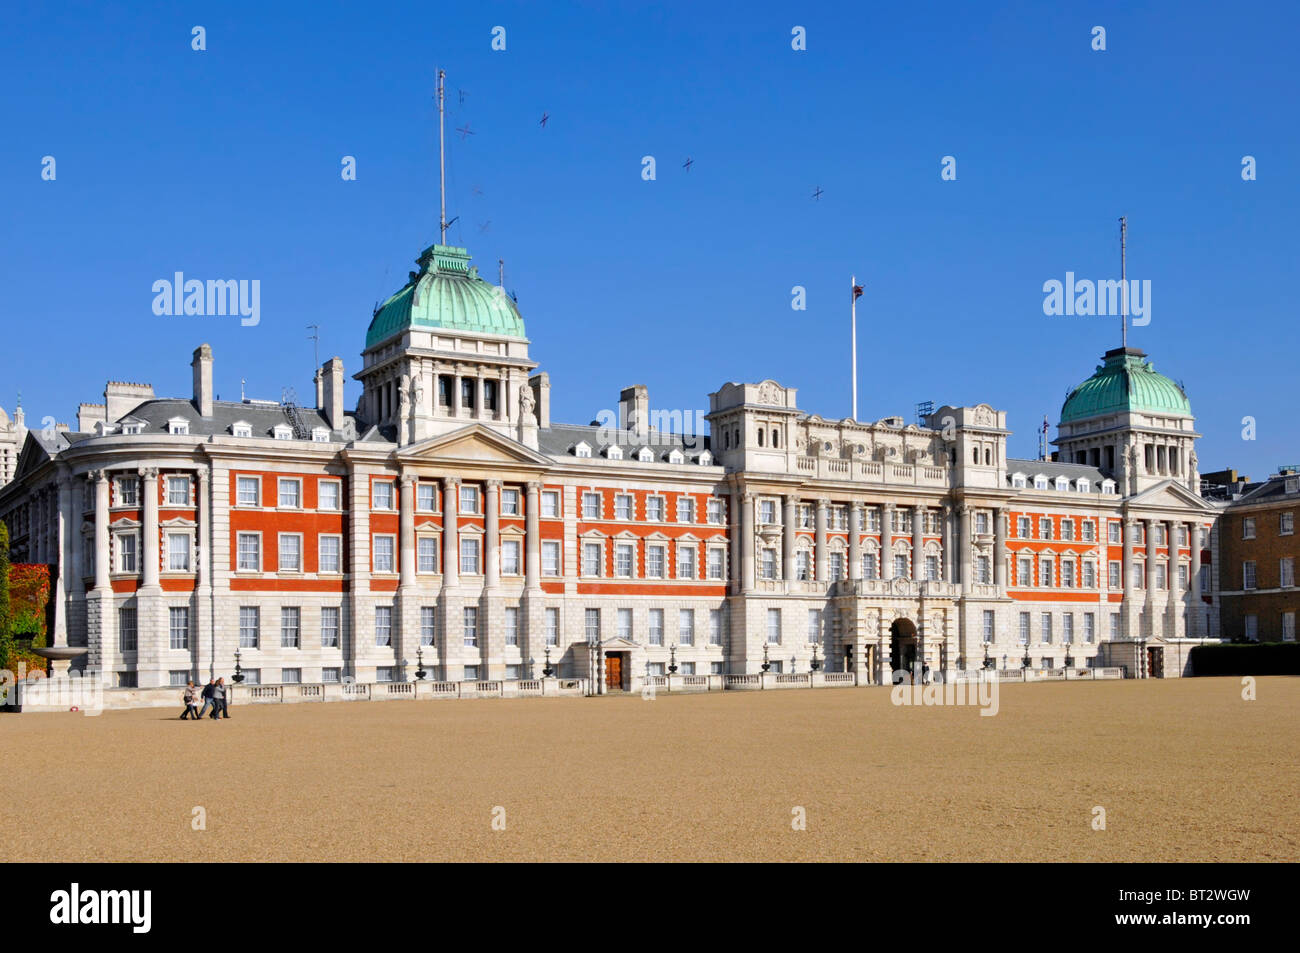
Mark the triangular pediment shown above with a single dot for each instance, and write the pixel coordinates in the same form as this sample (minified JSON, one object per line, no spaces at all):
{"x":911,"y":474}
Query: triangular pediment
{"x":618,"y":644}
{"x":32,"y":457}
{"x":474,"y":445}
{"x":1170,"y":494}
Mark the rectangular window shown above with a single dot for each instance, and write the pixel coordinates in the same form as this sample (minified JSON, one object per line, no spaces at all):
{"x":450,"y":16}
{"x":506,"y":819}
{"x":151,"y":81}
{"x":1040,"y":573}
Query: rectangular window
{"x":384,"y":673}
{"x":329,"y":626}
{"x":625,"y":624}
{"x":686,"y":626}
{"x":982,"y":573}
{"x":127,"y":636}
{"x":550,"y":504}
{"x":591,"y":553}
{"x":988,"y":625}
{"x":768,"y":564}
{"x":550,"y":559}
{"x":1022,"y":527}
{"x":328,"y":495}
{"x":774,"y":626}
{"x":1285,"y":524}
{"x":1045,"y":528}
{"x":1248,"y":528}
{"x":1067,"y":573}
{"x":1182,"y":578}
{"x":932,"y":568}
{"x":1090,"y":575}
{"x":814,"y":625}
{"x":469,"y":500}
{"x":715,"y":556}
{"x":1114,"y":625}
{"x":510,"y":557}
{"x":685,"y":509}
{"x":1046,"y":626}
{"x":591,"y":506}
{"x":428,"y":624}
{"x":900,"y":567}
{"x":591,"y":624}
{"x":290,"y":676}
{"x":801,"y":565}
{"x":178,"y":491}
{"x":249,"y":552}
{"x":1089,"y":627}
{"x":715,"y":626}
{"x":248,"y":491}
{"x":426,"y":497}
{"x":1113,"y":579}
{"x":1067,"y":628}
{"x":654,"y":509}
{"x":290,"y":627}
{"x":1044,"y":572}
{"x":126,"y":553}
{"x":868,"y":565}
{"x":623,"y":506}
{"x":1252,"y":628}
{"x":331,"y":676}
{"x":128,"y":492}
{"x":471,"y":673}
{"x":1089,"y":531}
{"x":330,"y":556}
{"x":654,"y":562}
{"x":383,"y":625}
{"x":290,"y":552}
{"x":1025,"y":571}
{"x":656,"y":626}
{"x":1248,"y":574}
{"x":623,"y":555}
{"x":1067,"y":529}
{"x":178,"y":678}
{"x":715,"y":511}
{"x":470,"y":627}
{"x":509,"y":502}
{"x":981,"y":523}
{"x":552,"y":626}
{"x":1288,"y":626}
{"x":1286,"y":572}
{"x":766,"y":511}
{"x":384,"y":549}
{"x":426,"y":554}
{"x":1113,"y":532}
{"x":178,"y":619}
{"x":469,"y":557}
{"x":178,"y":552}
{"x":250,"y":624}
{"x":836,"y":566}
{"x":290,"y":494}
{"x":512,"y":625}
{"x":1024,"y":628}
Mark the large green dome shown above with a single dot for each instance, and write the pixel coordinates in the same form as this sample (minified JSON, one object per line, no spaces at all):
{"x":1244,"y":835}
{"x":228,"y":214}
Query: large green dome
{"x":1127,"y":381}
{"x":446,"y":293}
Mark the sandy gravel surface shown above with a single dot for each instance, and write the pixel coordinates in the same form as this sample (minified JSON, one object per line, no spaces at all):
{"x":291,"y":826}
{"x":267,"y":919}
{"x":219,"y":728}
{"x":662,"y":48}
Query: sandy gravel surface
{"x":1185,"y":770}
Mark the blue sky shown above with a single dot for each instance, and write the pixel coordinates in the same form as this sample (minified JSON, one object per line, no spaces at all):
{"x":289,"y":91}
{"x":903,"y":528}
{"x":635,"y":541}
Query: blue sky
{"x":226,"y":164}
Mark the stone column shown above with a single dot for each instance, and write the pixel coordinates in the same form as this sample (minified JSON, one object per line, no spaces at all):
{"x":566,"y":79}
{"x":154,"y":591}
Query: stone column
{"x":450,"y":543}
{"x":747,"y":542}
{"x":204,"y":623}
{"x":855,"y":541}
{"x":886,"y":560}
{"x":454,"y":410}
{"x":1150,"y":525}
{"x":503,"y":394}
{"x":491,"y":538}
{"x":149,"y":544}
{"x":479,"y":410}
{"x":821,"y":553}
{"x":1000,"y":548}
{"x":947,"y":543}
{"x":406,"y":502}
{"x":918,"y":543}
{"x":1129,"y":605}
{"x":533,"y":537}
{"x":1175,"y":596}
{"x":63,"y":542}
{"x":100,"y":618}
{"x":102,"y":555}
{"x":1195,"y":607}
{"x":788,"y":536}
{"x":964,"y":536}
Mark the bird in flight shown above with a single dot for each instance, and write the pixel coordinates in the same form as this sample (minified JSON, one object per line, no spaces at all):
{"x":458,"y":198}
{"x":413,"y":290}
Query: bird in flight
{"x":461,"y":93}
{"x":688,"y":163}
{"x":817,"y":194}
{"x":465,"y":130}
{"x":545,"y":117}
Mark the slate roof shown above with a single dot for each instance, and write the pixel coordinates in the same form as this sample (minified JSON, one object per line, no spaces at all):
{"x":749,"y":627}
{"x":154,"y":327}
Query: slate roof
{"x":1052,"y":469}
{"x":263,"y":418}
{"x":558,"y":440}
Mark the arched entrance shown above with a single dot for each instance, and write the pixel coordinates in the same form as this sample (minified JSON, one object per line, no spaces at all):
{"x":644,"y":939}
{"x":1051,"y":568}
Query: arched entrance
{"x":903,"y":648}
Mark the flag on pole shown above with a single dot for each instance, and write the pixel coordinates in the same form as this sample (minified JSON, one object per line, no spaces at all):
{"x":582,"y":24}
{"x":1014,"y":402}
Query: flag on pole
{"x":857,"y":292}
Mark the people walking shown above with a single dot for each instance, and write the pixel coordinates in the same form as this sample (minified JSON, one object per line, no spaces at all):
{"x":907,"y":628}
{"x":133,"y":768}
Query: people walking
{"x":191,"y":697}
{"x":208,"y":700}
{"x":219,"y":707}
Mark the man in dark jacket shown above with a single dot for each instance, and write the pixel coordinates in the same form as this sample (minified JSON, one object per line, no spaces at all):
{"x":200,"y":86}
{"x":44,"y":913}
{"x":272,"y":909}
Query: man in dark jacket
{"x":219,"y":699}
{"x":208,"y":700}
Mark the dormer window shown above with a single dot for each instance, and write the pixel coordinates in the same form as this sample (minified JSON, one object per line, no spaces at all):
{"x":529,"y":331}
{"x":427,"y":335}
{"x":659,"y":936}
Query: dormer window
{"x":1082,"y":485}
{"x":1108,"y":486}
{"x":706,"y":459}
{"x":132,"y":428}
{"x":241,"y":428}
{"x":1018,"y":480}
{"x":614,"y":453}
{"x":582,"y":449}
{"x":320,"y":434}
{"x":178,"y":425}
{"x":1040,"y":482}
{"x":283,"y":432}
{"x":1062,"y":483}
{"x":645,"y":455}
{"x":675,"y":456}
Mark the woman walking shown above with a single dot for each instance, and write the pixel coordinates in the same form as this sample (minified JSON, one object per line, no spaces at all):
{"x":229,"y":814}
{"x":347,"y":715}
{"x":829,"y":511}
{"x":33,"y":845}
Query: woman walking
{"x":191,"y":697}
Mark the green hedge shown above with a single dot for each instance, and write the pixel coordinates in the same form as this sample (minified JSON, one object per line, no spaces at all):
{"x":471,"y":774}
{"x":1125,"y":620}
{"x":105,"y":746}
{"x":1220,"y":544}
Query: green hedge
{"x":1249,"y":658}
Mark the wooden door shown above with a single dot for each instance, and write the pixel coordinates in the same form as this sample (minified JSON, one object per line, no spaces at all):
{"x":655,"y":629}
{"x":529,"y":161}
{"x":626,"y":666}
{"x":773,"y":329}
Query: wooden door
{"x":614,"y":671}
{"x":1155,"y":663}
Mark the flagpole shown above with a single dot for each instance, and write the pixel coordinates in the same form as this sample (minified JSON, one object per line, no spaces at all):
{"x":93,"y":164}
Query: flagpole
{"x":442,"y":163}
{"x":853,"y":346}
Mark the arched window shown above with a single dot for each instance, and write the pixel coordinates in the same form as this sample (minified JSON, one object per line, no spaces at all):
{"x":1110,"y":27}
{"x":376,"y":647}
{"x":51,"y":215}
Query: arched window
{"x":726,"y":440}
{"x":975,"y":456}
{"x":988,"y":457}
{"x":760,"y":436}
{"x":776,"y":437}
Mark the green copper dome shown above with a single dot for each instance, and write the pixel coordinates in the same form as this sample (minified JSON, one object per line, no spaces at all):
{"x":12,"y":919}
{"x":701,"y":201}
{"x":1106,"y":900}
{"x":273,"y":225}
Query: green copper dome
{"x":446,"y":293}
{"x":1127,"y":381}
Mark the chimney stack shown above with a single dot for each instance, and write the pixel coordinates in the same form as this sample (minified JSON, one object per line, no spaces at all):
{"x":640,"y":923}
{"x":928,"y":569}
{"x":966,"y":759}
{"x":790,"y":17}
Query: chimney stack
{"x":329,"y":389}
{"x":634,"y":409}
{"x":202,"y":365}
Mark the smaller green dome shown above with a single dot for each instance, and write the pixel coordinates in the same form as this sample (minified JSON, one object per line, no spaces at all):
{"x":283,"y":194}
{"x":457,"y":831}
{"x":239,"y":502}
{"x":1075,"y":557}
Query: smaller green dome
{"x":446,"y":292}
{"x":1127,"y":381}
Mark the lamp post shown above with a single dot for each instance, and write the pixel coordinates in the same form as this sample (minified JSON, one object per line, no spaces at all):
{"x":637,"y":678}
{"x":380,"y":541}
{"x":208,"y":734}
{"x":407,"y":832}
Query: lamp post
{"x":815,"y":664}
{"x":672,"y":659}
{"x":766,"y":664}
{"x":547,"y":671}
{"x":419,"y":661}
{"x":238,"y":677}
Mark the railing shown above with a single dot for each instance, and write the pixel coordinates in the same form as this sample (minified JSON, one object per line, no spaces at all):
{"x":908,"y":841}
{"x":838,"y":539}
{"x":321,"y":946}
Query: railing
{"x":738,"y":681}
{"x":259,"y":693}
{"x":695,"y":680}
{"x":837,"y":678}
{"x":399,"y":688}
{"x":488,"y":688}
{"x":790,"y":679}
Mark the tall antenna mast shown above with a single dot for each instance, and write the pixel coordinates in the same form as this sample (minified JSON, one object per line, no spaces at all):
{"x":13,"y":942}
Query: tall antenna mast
{"x":855,"y":291}
{"x":1123,"y":277}
{"x":315,"y":337}
{"x":501,"y":272}
{"x":442,"y":161}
